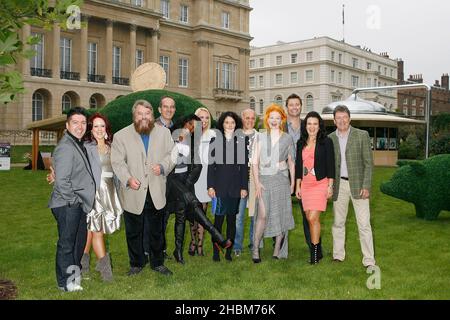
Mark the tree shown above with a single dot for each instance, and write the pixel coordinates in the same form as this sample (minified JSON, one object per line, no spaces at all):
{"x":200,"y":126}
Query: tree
{"x":14,"y":14}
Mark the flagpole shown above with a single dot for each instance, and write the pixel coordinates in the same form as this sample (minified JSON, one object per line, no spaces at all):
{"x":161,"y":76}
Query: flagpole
{"x":343,"y":23}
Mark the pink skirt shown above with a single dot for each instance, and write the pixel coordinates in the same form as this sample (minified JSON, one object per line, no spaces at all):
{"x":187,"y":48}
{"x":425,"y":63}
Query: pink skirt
{"x":314,"y":193}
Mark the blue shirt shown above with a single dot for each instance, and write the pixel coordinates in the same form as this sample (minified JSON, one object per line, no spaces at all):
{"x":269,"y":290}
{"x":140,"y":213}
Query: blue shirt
{"x":146,"y":141}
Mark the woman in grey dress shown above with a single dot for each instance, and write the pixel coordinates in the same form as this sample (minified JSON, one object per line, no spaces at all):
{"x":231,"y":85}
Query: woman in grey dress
{"x":107,"y":211}
{"x":272,"y":163}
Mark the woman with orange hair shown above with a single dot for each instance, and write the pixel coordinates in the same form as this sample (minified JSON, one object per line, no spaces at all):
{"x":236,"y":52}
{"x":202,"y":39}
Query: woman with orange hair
{"x":273,"y":162}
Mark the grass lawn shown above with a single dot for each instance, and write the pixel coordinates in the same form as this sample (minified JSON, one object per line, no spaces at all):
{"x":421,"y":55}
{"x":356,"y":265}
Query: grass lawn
{"x":413,"y":255}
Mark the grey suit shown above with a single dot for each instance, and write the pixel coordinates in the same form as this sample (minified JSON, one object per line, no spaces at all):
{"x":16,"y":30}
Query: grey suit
{"x":75,"y":181}
{"x":72,"y":197}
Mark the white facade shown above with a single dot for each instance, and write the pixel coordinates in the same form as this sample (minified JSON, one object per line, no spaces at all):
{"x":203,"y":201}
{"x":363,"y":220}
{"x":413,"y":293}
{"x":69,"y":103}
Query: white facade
{"x":320,"y":71}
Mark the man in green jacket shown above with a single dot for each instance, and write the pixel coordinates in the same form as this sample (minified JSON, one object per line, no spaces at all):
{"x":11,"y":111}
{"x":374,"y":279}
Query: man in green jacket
{"x":354,"y":162}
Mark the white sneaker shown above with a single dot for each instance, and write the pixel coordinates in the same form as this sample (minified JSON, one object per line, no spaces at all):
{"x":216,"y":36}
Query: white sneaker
{"x":71,"y":287}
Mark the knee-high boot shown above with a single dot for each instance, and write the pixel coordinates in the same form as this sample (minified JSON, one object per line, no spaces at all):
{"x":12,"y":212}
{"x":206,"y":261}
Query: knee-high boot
{"x":180,"y":226}
{"x":314,"y":251}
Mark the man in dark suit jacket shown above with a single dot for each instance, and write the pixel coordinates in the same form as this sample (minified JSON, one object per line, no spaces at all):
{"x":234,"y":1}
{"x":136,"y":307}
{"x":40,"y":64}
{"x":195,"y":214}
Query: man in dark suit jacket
{"x":72,"y":197}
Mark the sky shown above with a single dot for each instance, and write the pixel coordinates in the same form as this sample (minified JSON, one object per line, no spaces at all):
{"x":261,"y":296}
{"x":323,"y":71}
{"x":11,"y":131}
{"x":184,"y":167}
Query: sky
{"x":417,"y":31}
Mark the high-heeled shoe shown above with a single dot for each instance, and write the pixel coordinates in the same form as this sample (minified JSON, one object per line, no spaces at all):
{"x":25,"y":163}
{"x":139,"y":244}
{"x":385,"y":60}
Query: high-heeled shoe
{"x":192,"y":248}
{"x":256,"y":260}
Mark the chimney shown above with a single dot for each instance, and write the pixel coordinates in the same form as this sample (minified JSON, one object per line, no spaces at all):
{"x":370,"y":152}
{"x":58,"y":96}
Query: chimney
{"x":400,"y":72}
{"x":444,"y":81}
{"x":417,"y":78}
{"x":436,"y":83}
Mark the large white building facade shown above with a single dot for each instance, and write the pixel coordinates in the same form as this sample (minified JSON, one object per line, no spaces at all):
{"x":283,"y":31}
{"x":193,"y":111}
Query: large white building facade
{"x":320,"y":70}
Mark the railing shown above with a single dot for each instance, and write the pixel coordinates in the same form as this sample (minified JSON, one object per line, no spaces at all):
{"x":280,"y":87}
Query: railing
{"x":38,"y":72}
{"x":96,"y":78}
{"x":25,"y":137}
{"x":121,"y":81}
{"x":221,"y":93}
{"x":70,"y":75}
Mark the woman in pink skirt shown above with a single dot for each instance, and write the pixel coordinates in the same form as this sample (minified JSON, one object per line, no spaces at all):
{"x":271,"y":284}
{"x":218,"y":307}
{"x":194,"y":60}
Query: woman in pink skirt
{"x":314,"y":173}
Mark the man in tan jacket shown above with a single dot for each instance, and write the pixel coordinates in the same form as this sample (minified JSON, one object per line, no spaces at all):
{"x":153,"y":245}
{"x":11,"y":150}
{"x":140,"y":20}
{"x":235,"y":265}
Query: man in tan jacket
{"x":141,"y":159}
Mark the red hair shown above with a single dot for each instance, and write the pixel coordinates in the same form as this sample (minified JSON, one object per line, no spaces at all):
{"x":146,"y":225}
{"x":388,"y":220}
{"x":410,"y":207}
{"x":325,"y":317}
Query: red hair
{"x":90,"y":137}
{"x":271,"y":108}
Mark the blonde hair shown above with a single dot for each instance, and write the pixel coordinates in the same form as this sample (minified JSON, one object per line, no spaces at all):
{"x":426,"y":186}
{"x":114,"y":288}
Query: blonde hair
{"x":205,"y":110}
{"x":275,"y":108}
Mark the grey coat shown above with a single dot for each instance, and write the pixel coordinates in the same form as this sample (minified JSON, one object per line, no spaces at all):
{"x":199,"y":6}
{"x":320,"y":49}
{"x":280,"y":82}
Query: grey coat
{"x":74,"y":178}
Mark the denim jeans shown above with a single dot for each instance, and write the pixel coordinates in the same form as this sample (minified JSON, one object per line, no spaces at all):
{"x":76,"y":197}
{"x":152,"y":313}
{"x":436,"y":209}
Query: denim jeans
{"x":72,"y":235}
{"x":240,"y":224}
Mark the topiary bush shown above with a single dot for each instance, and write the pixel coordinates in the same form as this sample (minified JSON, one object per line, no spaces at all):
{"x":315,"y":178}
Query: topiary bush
{"x":425,"y":183}
{"x":119,"y":114}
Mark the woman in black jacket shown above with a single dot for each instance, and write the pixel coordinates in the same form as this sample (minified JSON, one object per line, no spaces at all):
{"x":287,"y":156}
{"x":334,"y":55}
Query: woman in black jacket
{"x":227,"y":175}
{"x":314,"y":173}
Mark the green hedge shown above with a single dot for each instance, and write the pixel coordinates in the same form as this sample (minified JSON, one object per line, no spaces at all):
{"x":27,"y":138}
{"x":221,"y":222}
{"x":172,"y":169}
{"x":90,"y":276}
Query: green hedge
{"x":425,"y":183}
{"x":119,"y":114}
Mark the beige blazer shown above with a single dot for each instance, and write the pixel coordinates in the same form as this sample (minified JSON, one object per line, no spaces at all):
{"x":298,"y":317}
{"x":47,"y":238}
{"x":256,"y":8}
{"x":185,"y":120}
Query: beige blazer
{"x":128,"y":159}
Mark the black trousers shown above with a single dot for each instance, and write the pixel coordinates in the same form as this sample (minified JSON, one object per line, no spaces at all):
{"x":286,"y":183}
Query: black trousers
{"x":72,"y":235}
{"x":134,"y":229}
{"x":231,"y":225}
{"x":305,"y":225}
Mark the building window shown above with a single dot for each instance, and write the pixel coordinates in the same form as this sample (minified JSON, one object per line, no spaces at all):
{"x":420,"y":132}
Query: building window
{"x":355,"y":81}
{"x":405,"y":111}
{"x":164,"y":7}
{"x":139,"y":57}
{"x":226,"y":20}
{"x":369,"y":66}
{"x":355,"y":63}
{"x":332,"y":76}
{"x":279,"y":60}
{"x":137,"y":3}
{"x":369,"y":82}
{"x":294,"y":77}
{"x":261,"y":62}
{"x":413,"y":112}
{"x":261,"y":106}
{"x":65,"y":54}
{"x":92,"y":58}
{"x":183,"y":69}
{"x":252,"y":64}
{"x":335,"y":98}
{"x":93,"y":102}
{"x":37,"y":106}
{"x":117,"y":52}
{"x":252,"y":103}
{"x":392,"y":73}
{"x":226,"y":75}
{"x":252,"y":82}
{"x":164,"y":63}
{"x":332,"y":56}
{"x":279,"y":79}
{"x":294,"y":58}
{"x":66,"y":102}
{"x":385,"y":71}
{"x":309,"y":56}
{"x":38,"y":60}
{"x":309,"y":76}
{"x":340,"y":58}
{"x":405,"y":101}
{"x":379,"y":69}
{"x":421,"y":112}
{"x":309,"y":103}
{"x":279,"y":101}
{"x":339,"y":77}
{"x":184,"y":14}
{"x":414,"y":102}
{"x":261,"y":81}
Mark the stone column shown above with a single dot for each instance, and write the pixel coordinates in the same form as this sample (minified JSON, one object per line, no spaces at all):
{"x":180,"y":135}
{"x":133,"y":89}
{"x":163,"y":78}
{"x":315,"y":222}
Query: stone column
{"x":243,"y":71}
{"x":204,"y":68}
{"x":109,"y":51}
{"x":155,"y":46}
{"x":84,"y":50}
{"x":26,"y":32}
{"x":56,"y":51}
{"x":133,"y":29}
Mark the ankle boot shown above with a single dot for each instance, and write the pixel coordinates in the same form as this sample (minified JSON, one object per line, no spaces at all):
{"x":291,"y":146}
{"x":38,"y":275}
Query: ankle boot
{"x":85,"y":260}
{"x":319,"y":251}
{"x":314,"y":253}
{"x":179,"y":237}
{"x":104,"y":267}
